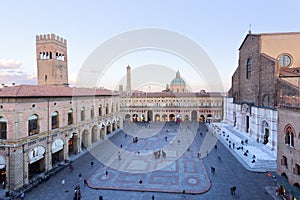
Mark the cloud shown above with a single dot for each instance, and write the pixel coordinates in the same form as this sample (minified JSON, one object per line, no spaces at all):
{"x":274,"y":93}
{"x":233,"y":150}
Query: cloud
{"x":18,"y":77}
{"x":9,"y":64}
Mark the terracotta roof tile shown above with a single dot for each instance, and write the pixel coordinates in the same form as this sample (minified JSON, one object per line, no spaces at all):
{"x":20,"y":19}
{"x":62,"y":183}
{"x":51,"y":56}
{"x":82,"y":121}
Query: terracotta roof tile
{"x":48,"y":90}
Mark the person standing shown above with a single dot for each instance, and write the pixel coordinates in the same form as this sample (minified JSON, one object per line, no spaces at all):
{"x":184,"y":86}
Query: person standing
{"x":63,"y":182}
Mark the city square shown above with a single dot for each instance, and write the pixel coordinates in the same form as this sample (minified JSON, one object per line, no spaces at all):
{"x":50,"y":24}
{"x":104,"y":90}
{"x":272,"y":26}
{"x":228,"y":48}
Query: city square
{"x":194,"y":175}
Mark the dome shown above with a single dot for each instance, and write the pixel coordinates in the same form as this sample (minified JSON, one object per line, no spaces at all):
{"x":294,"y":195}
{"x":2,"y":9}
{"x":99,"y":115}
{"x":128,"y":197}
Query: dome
{"x":178,"y":81}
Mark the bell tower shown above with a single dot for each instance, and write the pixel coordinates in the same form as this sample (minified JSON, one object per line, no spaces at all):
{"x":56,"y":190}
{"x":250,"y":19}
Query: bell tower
{"x":52,"y":60}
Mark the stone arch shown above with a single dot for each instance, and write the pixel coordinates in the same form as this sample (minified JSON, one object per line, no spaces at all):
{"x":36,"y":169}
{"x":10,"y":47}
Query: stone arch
{"x":266,"y":100}
{"x":186,"y":118}
{"x":127,"y":118}
{"x":194,"y":115}
{"x":142,"y":118}
{"x":102,"y":131}
{"x":73,"y":144}
{"x":202,"y":118}
{"x":108,"y":127}
{"x":134,"y":117}
{"x":289,"y":132}
{"x":164,"y":118}
{"x":266,"y":132}
{"x":172,"y":117}
{"x":37,"y":161}
{"x":95,"y":134}
{"x":85,"y":139}
{"x":157,"y":118}
{"x":150,"y":115}
{"x":57,"y":150}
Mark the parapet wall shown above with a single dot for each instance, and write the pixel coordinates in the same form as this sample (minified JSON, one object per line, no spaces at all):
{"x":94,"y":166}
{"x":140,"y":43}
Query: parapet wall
{"x":50,"y":37}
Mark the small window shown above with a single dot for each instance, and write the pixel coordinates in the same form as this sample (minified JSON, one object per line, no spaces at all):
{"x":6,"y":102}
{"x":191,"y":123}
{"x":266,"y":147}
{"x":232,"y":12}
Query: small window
{"x":33,"y":125}
{"x":70,"y":117}
{"x":249,"y":66}
{"x":3,"y":128}
{"x":54,"y":120}
{"x":82,"y":114}
{"x":284,"y":60}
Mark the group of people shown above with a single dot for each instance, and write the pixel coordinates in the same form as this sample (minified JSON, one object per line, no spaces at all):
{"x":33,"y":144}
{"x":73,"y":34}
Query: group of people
{"x":159,"y":153}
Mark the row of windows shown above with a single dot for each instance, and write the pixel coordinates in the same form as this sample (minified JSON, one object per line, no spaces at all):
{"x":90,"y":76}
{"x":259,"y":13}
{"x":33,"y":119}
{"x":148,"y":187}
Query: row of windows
{"x":284,"y":162}
{"x":33,"y":120}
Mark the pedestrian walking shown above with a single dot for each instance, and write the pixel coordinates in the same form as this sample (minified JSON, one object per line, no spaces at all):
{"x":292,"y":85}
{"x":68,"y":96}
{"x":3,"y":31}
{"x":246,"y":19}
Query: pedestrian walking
{"x":92,"y":163}
{"x":233,"y":190}
{"x":79,"y":177}
{"x":3,"y":184}
{"x":106,"y":173}
{"x":100,"y":197}
{"x":63,"y":182}
{"x":152,"y":196}
{"x":84,"y":182}
{"x":22,"y":195}
{"x":140,"y":182}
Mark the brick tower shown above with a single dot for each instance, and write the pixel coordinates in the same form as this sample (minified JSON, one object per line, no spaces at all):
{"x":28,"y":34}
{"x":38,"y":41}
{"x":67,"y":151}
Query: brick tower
{"x":52,"y":60}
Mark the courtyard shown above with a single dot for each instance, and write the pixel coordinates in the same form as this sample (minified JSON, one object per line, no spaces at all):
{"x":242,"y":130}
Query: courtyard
{"x":122,"y":168}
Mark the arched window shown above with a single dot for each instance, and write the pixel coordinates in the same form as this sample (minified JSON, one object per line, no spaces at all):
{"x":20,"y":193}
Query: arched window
{"x":92,"y":112}
{"x":70,"y":116}
{"x":249,"y":66}
{"x":289,"y":136}
{"x":266,"y":100}
{"x":100,"y":110}
{"x":3,"y":128}
{"x":284,"y":161}
{"x":33,"y":126}
{"x":82,"y":114}
{"x":107,"y":109}
{"x":54,"y":120}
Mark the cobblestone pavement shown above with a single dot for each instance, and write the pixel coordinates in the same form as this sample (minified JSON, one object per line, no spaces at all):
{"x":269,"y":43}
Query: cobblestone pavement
{"x":229,"y":172}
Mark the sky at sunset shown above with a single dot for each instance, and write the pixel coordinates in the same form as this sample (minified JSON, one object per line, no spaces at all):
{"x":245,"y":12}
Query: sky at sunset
{"x":218,"y":27}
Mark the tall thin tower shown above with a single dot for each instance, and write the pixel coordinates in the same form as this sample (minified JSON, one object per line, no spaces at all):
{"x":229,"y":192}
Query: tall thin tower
{"x":128,"y":87}
{"x":52,"y":60}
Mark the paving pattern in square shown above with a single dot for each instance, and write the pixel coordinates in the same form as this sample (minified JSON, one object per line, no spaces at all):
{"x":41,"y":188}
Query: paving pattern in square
{"x":187,"y":173}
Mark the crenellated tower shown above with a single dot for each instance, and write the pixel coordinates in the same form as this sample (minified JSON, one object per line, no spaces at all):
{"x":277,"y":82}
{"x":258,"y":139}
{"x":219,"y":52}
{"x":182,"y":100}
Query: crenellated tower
{"x":52,"y":60}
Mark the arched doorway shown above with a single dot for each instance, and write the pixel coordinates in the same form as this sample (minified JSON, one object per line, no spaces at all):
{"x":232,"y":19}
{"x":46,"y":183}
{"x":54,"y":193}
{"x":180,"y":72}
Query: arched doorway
{"x":164,"y":117}
{"x":36,"y":157}
{"x":265,"y":130}
{"x":209,"y":118}
{"x":73,"y":141}
{"x":142,"y":118}
{"x":57,"y":149}
{"x":102,"y":132}
{"x":2,"y":169}
{"x":172,"y":118}
{"x":127,"y":118}
{"x":95,"y":135}
{"x":108,"y":127}
{"x":201,"y":118}
{"x":134,"y":118}
{"x":157,"y":118}
{"x":85,"y":139}
{"x":150,"y":115}
{"x":186,"y":118}
{"x":194,"y":115}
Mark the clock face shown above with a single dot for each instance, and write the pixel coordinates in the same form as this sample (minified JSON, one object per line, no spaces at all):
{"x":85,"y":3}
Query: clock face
{"x":284,"y":60}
